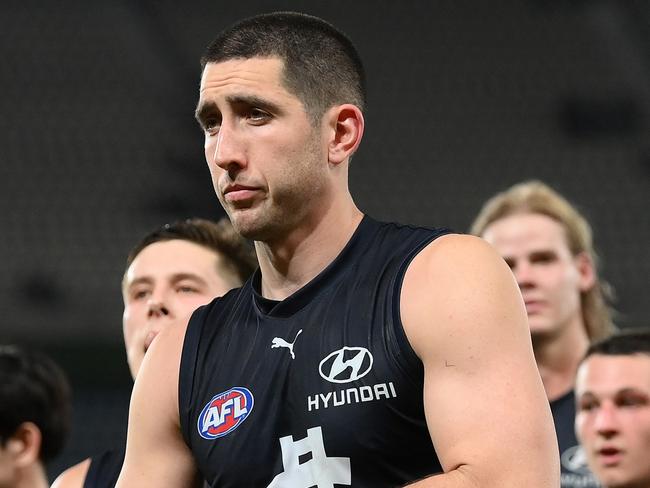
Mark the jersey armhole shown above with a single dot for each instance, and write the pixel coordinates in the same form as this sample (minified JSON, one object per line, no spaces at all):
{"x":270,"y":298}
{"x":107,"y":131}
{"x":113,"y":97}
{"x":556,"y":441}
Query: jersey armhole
{"x":415,"y":368}
{"x":104,"y":469}
{"x":189,"y":357}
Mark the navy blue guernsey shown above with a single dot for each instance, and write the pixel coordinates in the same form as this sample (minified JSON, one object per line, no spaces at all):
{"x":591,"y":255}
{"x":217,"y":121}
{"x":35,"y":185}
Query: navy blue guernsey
{"x":321,"y":389}
{"x":573,"y":460}
{"x":104,"y":469}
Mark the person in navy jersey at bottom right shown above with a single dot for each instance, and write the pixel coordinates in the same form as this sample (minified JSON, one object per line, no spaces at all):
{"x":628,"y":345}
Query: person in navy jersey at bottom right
{"x":613,"y":409}
{"x":360,"y":353}
{"x":549,"y":247}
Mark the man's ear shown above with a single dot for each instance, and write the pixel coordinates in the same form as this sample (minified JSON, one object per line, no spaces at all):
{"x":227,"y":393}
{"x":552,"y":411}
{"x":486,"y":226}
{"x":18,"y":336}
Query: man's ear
{"x":346,"y":124}
{"x":24,"y":446}
{"x":586,"y":271}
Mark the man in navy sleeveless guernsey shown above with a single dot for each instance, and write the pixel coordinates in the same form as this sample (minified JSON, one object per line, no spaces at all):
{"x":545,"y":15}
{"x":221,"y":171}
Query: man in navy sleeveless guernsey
{"x":361,"y":353}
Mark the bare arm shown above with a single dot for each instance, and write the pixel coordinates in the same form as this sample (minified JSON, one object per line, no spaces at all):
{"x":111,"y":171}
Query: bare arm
{"x":156,"y":454}
{"x":73,"y":477}
{"x":486,"y":410}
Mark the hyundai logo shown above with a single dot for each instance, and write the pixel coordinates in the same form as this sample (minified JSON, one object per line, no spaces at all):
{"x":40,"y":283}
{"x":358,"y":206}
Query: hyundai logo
{"x":345,"y":365}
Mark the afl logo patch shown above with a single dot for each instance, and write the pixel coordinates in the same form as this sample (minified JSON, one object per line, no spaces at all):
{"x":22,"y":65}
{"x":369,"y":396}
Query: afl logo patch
{"x":346,"y":365}
{"x":225,"y":412}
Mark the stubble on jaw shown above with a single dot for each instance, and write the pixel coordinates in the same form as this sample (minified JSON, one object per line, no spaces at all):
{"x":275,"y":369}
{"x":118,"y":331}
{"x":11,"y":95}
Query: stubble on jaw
{"x":301,"y":182}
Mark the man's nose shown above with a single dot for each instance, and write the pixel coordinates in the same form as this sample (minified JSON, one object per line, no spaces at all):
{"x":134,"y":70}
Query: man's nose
{"x":606,"y":421}
{"x":523,"y":274}
{"x":156,"y":307}
{"x":228,"y":152}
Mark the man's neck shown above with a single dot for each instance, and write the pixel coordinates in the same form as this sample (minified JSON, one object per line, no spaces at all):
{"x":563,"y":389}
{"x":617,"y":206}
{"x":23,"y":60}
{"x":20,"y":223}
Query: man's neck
{"x":289,"y":264}
{"x":558,"y":358}
{"x":32,"y":477}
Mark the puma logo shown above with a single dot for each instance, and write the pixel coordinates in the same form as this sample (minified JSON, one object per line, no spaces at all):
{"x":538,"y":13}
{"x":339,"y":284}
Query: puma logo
{"x":280,"y":342}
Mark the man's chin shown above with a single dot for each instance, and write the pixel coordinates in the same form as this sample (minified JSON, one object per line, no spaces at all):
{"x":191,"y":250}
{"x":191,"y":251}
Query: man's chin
{"x":253,"y":226}
{"x":615,"y":479}
{"x":134,"y":366}
{"x":541,"y":332}
{"x":537,"y":327}
{"x":249,"y":231}
{"x":243,"y":221}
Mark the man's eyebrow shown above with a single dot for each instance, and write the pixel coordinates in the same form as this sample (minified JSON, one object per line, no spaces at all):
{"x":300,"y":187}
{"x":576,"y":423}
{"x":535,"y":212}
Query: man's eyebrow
{"x":543,"y":253}
{"x":585,"y":394}
{"x":138,"y":281}
{"x":632,"y":390}
{"x":176,"y":277}
{"x":253,"y":101}
{"x":203,"y":109}
{"x":209,"y":107}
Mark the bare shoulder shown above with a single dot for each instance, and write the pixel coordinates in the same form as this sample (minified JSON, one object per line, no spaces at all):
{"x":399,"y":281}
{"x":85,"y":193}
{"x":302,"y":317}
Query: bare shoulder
{"x":74,"y":476}
{"x":158,"y":376}
{"x":453,"y":253}
{"x":156,"y":454}
{"x":459,"y":284}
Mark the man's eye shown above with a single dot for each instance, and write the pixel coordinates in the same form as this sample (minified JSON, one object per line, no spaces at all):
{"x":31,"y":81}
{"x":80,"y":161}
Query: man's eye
{"x":258,"y":115}
{"x":631,"y":401}
{"x":587,"y":406}
{"x":140,"y":294}
{"x":543,"y":258}
{"x":186,"y":289}
{"x":211,"y":126}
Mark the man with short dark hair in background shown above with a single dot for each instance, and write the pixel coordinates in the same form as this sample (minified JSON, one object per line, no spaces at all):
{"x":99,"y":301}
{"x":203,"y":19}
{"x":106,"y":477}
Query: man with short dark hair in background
{"x":34,"y":416}
{"x":613,"y":409}
{"x":169,"y":273}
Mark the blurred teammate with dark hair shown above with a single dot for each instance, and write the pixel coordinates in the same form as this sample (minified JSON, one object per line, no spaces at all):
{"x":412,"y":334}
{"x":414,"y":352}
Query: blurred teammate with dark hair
{"x":613,"y":409}
{"x":549,"y":247}
{"x":169,"y":273}
{"x":34,"y":416}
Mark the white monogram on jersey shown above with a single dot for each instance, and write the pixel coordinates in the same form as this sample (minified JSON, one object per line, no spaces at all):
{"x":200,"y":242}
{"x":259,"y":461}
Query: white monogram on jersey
{"x":320,"y":471}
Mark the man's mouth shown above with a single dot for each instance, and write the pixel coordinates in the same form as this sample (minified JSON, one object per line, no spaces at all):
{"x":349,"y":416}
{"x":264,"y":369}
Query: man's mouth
{"x":239,"y":193}
{"x":148,"y":340}
{"x":610,"y":456}
{"x":533,"y":306}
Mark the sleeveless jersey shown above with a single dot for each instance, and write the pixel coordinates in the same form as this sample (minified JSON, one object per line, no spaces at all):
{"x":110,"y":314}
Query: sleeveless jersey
{"x":104,"y":469}
{"x":575,"y":470}
{"x":321,"y":389}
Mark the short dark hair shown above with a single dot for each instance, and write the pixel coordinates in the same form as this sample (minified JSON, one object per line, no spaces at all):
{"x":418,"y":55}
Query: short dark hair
{"x":624,"y":343}
{"x":321,"y":65}
{"x":238,"y":255}
{"x":34,"y":389}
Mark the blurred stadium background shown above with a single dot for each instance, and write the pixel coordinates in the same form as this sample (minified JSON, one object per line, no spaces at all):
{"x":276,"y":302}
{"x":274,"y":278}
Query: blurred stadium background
{"x":98,"y":145}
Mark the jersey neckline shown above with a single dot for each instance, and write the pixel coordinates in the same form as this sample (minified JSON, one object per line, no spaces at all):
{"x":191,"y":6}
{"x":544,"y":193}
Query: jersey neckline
{"x":360,"y":239}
